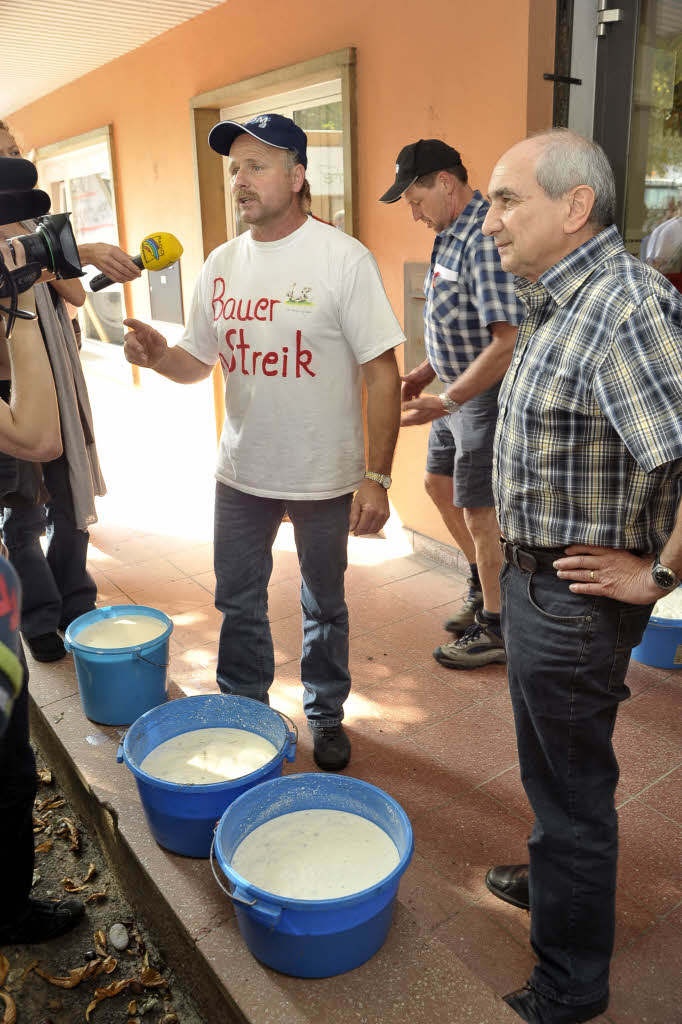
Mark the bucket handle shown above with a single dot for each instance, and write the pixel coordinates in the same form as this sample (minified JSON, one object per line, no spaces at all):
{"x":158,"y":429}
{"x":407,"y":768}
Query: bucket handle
{"x":292,"y":736}
{"x":232,"y":895}
{"x":271,"y":914}
{"x":119,"y":752}
{"x":150,"y":662}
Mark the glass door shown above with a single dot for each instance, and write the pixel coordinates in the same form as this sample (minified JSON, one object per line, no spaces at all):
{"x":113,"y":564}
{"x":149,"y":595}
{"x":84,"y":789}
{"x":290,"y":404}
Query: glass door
{"x":653,"y":206}
{"x":638,"y":121}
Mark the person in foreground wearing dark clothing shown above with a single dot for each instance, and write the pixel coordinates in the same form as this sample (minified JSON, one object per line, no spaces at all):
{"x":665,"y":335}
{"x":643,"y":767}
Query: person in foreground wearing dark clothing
{"x":29,"y":429}
{"x":57,"y":497}
{"x":588,"y":457}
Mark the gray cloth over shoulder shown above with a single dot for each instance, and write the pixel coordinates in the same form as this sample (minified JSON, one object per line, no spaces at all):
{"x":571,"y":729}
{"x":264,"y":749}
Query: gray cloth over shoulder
{"x":75,"y":413}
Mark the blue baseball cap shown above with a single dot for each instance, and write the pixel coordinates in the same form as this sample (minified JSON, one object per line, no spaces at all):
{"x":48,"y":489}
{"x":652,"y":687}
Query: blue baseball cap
{"x":273,"y":129}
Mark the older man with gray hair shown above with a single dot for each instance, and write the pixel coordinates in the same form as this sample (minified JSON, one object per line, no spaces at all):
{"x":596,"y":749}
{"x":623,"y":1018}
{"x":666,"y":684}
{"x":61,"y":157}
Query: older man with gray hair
{"x":588,"y":457}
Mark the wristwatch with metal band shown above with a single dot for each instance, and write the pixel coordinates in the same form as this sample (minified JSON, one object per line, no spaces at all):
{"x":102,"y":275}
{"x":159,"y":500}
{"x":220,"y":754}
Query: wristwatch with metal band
{"x":664,"y":577}
{"x":379,"y":478}
{"x":449,"y":404}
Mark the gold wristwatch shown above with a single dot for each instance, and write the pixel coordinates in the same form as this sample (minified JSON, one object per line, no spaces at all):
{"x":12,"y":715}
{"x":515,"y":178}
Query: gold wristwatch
{"x":379,"y":478}
{"x":449,"y":404}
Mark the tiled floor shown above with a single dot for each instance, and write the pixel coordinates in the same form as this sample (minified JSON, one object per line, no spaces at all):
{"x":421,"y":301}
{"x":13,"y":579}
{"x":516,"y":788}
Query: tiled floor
{"x":441,"y":742}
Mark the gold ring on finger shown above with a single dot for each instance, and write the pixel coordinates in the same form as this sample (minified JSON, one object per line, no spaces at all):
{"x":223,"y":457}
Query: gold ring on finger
{"x":591,"y":575}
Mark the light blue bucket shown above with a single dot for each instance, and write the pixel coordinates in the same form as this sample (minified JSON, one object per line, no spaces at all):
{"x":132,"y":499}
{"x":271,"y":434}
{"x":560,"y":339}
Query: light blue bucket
{"x":312,"y":938}
{"x":182,"y":818}
{"x":120,"y":684}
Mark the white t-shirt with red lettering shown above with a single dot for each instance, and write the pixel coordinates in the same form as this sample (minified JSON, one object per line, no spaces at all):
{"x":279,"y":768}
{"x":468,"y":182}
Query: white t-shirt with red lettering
{"x":291,"y":322}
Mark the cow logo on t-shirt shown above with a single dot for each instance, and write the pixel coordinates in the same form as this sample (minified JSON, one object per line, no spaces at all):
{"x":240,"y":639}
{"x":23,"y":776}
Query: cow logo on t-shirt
{"x":299,"y":295}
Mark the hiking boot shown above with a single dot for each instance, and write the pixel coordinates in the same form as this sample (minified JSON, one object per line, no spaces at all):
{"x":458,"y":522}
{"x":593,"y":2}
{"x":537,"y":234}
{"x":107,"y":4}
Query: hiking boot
{"x":479,"y":645}
{"x":41,"y":921}
{"x":331,"y":747}
{"x":46,"y":646}
{"x":466,"y":616}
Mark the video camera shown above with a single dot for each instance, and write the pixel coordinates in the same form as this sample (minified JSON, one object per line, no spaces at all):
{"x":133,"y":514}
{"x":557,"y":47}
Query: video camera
{"x":51,"y":246}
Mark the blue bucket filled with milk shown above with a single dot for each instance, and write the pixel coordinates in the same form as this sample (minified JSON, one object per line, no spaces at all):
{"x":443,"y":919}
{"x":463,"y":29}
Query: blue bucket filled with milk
{"x":661,"y":645}
{"x":341,"y":871}
{"x":195,"y":738}
{"x":121,"y":657}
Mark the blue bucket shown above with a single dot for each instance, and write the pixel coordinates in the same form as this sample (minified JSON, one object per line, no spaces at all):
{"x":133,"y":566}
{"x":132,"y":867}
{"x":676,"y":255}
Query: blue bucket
{"x":661,"y":645}
{"x":312,"y":938}
{"x":183,"y":817}
{"x":118,"y":685}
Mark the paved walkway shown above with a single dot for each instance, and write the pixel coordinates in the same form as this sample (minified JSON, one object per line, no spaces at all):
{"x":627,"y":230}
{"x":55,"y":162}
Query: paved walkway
{"x":441,"y":742}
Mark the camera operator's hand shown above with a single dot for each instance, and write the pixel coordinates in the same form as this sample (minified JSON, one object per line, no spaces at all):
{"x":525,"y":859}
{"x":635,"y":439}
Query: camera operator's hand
{"x":14,"y":256}
{"x":29,"y":425}
{"x":143,"y":346}
{"x":110,"y":260}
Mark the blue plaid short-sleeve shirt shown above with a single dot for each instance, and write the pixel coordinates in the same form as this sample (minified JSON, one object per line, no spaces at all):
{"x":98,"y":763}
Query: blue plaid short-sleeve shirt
{"x":466,"y":291}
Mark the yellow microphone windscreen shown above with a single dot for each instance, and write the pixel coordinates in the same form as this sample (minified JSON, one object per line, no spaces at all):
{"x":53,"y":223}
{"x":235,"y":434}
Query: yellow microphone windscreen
{"x":160,"y":250}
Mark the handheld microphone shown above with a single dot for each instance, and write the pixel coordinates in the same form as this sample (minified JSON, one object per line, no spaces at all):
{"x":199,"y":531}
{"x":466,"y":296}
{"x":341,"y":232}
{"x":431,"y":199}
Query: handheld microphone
{"x":157,"y":252}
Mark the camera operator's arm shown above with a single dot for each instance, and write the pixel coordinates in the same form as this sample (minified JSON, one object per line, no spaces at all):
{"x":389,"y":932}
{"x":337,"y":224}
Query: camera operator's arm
{"x":29,"y":425}
{"x":70,"y":290}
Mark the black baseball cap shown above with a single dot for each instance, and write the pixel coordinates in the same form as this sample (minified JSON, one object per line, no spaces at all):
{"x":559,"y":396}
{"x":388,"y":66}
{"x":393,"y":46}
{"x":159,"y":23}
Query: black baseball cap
{"x":273,"y":129}
{"x":417,"y":159}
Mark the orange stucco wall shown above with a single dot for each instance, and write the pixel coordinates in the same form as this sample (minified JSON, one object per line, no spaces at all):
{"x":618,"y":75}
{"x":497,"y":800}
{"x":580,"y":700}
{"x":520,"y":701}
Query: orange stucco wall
{"x":469,"y":73}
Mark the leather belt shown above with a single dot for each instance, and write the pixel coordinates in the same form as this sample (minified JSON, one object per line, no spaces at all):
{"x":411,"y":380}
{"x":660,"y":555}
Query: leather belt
{"x":529,"y":559}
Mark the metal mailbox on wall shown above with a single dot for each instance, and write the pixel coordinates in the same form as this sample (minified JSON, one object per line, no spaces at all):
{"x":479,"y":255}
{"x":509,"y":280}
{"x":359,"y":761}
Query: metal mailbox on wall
{"x":165,"y":295}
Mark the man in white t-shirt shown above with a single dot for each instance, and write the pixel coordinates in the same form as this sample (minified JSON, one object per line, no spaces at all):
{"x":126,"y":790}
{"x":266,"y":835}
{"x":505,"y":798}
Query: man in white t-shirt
{"x":296,"y":313}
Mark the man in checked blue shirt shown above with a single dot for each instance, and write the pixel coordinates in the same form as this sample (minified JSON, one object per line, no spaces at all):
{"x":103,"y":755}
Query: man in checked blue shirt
{"x":470,"y":319}
{"x":588,"y":482}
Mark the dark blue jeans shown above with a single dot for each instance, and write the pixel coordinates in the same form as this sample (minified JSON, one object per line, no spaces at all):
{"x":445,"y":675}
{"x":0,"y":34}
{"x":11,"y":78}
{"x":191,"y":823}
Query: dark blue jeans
{"x":567,"y":656}
{"x":56,"y":587}
{"x":245,"y":530}
{"x":17,"y":792}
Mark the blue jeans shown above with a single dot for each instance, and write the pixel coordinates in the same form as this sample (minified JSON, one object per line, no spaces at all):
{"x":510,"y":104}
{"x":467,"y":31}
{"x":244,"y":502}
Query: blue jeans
{"x":567,"y":656}
{"x":56,"y":587}
{"x":245,"y":530}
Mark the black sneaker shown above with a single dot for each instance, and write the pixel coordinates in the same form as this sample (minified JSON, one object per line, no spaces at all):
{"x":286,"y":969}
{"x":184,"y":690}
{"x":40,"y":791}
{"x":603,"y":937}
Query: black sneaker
{"x":41,"y":921}
{"x":465,"y":617}
{"x":46,"y":647}
{"x":331,"y":747}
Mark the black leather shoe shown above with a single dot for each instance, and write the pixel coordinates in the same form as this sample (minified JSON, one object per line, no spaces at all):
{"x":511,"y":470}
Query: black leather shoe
{"x":46,"y":647}
{"x":537,"y":1009}
{"x":331,"y":747}
{"x":41,"y":921}
{"x":509,"y":882}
